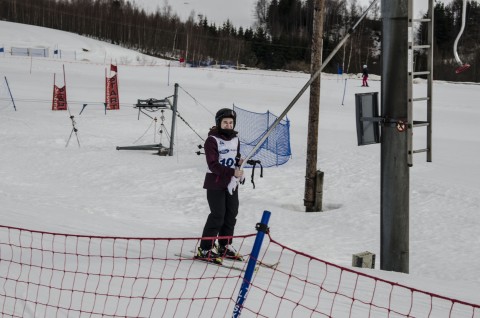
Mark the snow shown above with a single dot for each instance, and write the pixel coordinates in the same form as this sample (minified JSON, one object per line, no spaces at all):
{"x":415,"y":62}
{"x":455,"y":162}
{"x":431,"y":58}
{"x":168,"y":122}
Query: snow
{"x":96,"y":190}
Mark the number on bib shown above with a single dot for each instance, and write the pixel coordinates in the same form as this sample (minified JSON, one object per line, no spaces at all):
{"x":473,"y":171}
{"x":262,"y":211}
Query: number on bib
{"x":227,"y":162}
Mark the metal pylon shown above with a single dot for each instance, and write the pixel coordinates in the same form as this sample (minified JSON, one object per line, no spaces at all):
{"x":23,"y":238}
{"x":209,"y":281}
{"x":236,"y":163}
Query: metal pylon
{"x":413,"y":24}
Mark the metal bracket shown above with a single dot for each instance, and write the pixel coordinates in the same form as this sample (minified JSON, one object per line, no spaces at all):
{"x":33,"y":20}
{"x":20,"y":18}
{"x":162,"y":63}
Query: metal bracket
{"x":399,"y":123}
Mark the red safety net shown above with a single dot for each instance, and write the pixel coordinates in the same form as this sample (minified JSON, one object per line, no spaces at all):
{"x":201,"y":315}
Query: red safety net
{"x":60,"y":275}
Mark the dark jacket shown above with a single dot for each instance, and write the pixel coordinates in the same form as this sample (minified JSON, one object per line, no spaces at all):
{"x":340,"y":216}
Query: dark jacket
{"x":220,"y":175}
{"x":365,"y":72}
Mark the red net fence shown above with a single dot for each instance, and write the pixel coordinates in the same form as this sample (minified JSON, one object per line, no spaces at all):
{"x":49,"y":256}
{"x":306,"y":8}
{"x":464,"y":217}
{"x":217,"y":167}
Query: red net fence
{"x":60,"y":275}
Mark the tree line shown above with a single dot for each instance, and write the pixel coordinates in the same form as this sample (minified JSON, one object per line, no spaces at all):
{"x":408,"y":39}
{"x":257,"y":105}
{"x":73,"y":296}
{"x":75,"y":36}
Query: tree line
{"x":280,"y":38}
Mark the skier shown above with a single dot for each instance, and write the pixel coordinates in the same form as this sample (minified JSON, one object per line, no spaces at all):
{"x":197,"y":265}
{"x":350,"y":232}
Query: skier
{"x":222,"y":151}
{"x":365,"y":76}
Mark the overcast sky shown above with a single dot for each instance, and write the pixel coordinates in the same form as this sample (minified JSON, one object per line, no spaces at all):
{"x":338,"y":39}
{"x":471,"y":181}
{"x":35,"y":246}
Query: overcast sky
{"x":239,"y":12}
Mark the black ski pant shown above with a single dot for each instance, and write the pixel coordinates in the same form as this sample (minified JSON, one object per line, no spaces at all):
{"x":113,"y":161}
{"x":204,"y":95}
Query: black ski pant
{"x":222,"y":218}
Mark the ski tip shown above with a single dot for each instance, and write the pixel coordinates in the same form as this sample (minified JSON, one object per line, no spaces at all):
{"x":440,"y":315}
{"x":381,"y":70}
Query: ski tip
{"x":217,"y":260}
{"x":235,"y":258}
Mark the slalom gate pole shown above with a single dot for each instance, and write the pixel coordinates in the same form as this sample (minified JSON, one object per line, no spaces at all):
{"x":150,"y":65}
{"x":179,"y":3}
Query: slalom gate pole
{"x":65,"y":85}
{"x":344,"y":89}
{"x":168,"y":75}
{"x":262,"y":228}
{"x":10,"y":92}
{"x":304,"y":88}
{"x":53,"y":97}
{"x":84,"y":105}
{"x":106,"y":83}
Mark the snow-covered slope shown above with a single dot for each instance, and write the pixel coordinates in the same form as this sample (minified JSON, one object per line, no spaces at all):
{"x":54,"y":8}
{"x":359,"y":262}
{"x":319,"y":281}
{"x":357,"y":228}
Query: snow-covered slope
{"x":95,"y":189}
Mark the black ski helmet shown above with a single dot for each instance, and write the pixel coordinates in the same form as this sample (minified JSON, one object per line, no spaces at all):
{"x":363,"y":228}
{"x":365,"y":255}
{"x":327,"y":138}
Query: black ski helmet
{"x":225,"y":113}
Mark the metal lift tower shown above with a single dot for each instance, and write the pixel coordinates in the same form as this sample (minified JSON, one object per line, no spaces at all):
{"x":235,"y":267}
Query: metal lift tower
{"x":397,"y":102}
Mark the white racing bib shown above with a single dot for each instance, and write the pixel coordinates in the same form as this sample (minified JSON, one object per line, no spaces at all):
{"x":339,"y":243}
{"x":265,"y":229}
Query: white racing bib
{"x":227,"y":151}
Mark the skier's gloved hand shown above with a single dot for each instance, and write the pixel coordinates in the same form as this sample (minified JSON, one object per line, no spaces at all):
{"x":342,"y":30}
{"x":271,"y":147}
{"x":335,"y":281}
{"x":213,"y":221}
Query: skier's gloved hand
{"x":242,"y":179}
{"x":238,"y":173}
{"x":232,"y":185}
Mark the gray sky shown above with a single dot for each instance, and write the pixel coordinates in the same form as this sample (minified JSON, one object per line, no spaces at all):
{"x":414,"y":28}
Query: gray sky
{"x":240,"y":12}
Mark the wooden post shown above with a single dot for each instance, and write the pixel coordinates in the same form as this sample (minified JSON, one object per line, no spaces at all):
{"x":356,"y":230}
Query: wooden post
{"x":314,"y":111}
{"x":319,"y":191}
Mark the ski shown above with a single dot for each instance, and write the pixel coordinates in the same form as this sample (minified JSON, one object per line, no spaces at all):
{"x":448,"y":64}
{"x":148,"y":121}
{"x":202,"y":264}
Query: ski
{"x":228,"y":266}
{"x":267,"y":265}
{"x":259,"y":263}
{"x":245,"y":260}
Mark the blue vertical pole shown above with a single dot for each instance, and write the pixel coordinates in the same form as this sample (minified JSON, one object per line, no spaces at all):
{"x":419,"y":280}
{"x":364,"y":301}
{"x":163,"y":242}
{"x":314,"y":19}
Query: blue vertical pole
{"x":268,"y":126}
{"x":262,"y":228}
{"x":10,"y":92}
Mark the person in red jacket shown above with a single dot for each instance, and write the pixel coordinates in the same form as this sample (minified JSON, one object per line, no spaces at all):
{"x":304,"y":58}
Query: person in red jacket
{"x":222,"y":152}
{"x":365,"y":76}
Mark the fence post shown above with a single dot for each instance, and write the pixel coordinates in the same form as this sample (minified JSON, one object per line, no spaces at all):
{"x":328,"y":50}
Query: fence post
{"x":262,"y":228}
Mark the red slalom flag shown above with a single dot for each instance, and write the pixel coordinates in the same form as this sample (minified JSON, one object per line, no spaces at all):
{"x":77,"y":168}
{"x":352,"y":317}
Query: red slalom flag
{"x":113,"y":68}
{"x":59,"y":98}
{"x":111,"y":93}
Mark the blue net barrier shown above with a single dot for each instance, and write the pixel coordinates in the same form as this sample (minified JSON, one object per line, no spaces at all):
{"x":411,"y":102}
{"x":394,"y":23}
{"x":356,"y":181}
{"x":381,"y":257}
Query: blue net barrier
{"x":252,"y":127}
